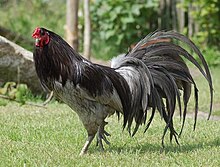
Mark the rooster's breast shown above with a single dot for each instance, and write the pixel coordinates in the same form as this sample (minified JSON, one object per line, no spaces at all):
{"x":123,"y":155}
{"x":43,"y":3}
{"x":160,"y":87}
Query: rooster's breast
{"x":87,"y":108}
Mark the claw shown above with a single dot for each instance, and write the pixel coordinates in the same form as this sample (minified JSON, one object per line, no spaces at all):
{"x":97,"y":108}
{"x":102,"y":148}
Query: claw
{"x":105,"y":140}
{"x":106,"y":133}
{"x":86,"y":146}
{"x":101,"y":136}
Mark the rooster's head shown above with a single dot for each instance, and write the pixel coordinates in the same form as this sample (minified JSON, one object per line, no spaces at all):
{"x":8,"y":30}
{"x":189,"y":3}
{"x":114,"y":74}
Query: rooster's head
{"x":41,"y":36}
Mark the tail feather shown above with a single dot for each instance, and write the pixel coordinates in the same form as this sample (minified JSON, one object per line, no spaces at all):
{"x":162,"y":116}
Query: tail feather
{"x":196,"y":105}
{"x":150,"y":119}
{"x":169,"y":48}
{"x":186,"y":96}
{"x":156,"y":73}
{"x":180,"y":37}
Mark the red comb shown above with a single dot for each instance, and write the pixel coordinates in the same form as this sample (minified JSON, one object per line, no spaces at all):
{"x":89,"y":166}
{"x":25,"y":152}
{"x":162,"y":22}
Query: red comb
{"x":36,"y":32}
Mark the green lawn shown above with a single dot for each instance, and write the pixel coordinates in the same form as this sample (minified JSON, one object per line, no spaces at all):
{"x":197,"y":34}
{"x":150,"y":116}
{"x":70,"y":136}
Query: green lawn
{"x":33,"y":136}
{"x":204,"y":91}
{"x":54,"y":137}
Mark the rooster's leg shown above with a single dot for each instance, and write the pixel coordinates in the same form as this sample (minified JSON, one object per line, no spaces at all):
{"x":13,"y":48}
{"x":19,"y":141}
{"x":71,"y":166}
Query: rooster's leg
{"x":101,"y":135}
{"x":86,"y":145}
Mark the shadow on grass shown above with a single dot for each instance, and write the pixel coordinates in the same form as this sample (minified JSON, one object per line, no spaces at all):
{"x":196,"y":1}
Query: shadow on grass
{"x":182,"y":148}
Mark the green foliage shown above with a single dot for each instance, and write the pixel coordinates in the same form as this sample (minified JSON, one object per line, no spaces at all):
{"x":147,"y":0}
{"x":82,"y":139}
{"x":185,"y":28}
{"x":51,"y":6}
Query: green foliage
{"x":210,"y":52}
{"x":212,"y":56}
{"x":23,"y":16}
{"x":121,"y":23}
{"x":116,"y":24}
{"x":9,"y":89}
{"x":21,"y":94}
{"x":207,"y":16}
{"x":104,"y":50}
{"x":18,"y":92}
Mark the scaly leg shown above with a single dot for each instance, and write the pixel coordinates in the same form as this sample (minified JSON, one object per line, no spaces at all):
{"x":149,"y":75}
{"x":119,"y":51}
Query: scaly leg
{"x":101,"y":135}
{"x":87,"y":144}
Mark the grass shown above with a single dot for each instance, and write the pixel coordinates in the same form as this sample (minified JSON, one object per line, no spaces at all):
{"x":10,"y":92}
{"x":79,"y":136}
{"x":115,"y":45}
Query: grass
{"x":33,"y":136}
{"x":204,"y":95}
{"x":54,"y":137}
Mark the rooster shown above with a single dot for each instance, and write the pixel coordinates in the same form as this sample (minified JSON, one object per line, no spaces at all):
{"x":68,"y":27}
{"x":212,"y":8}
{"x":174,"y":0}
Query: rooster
{"x":149,"y":78}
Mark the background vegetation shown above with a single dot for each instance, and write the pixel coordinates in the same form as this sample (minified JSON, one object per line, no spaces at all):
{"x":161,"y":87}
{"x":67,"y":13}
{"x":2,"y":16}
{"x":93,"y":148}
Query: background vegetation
{"x":120,"y":23}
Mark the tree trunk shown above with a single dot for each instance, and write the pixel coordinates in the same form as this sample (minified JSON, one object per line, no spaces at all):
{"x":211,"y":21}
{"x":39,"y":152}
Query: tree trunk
{"x":168,"y":15}
{"x":165,"y":15}
{"x":16,"y":65}
{"x":196,"y":23}
{"x":161,"y":12}
{"x":87,"y":30}
{"x":174,"y":23}
{"x":72,"y":23}
{"x":190,"y":21}
{"x":181,"y":17}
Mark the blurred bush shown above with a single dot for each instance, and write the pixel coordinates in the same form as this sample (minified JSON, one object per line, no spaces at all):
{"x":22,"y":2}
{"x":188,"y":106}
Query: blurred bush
{"x":116,"y":24}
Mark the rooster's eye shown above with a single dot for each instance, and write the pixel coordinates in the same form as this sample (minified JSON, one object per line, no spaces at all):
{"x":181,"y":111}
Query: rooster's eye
{"x":42,"y":32}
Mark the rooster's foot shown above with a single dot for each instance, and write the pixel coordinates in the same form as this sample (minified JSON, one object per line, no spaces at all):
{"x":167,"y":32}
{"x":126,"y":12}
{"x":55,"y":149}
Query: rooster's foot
{"x":86,"y":146}
{"x":101,"y":135}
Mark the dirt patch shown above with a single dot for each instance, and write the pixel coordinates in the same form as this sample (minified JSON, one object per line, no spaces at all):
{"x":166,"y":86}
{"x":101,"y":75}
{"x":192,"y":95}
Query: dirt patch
{"x":203,"y":115}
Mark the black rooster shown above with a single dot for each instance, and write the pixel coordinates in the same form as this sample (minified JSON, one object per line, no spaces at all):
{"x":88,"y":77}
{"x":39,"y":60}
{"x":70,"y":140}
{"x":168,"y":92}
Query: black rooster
{"x":149,"y":77}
